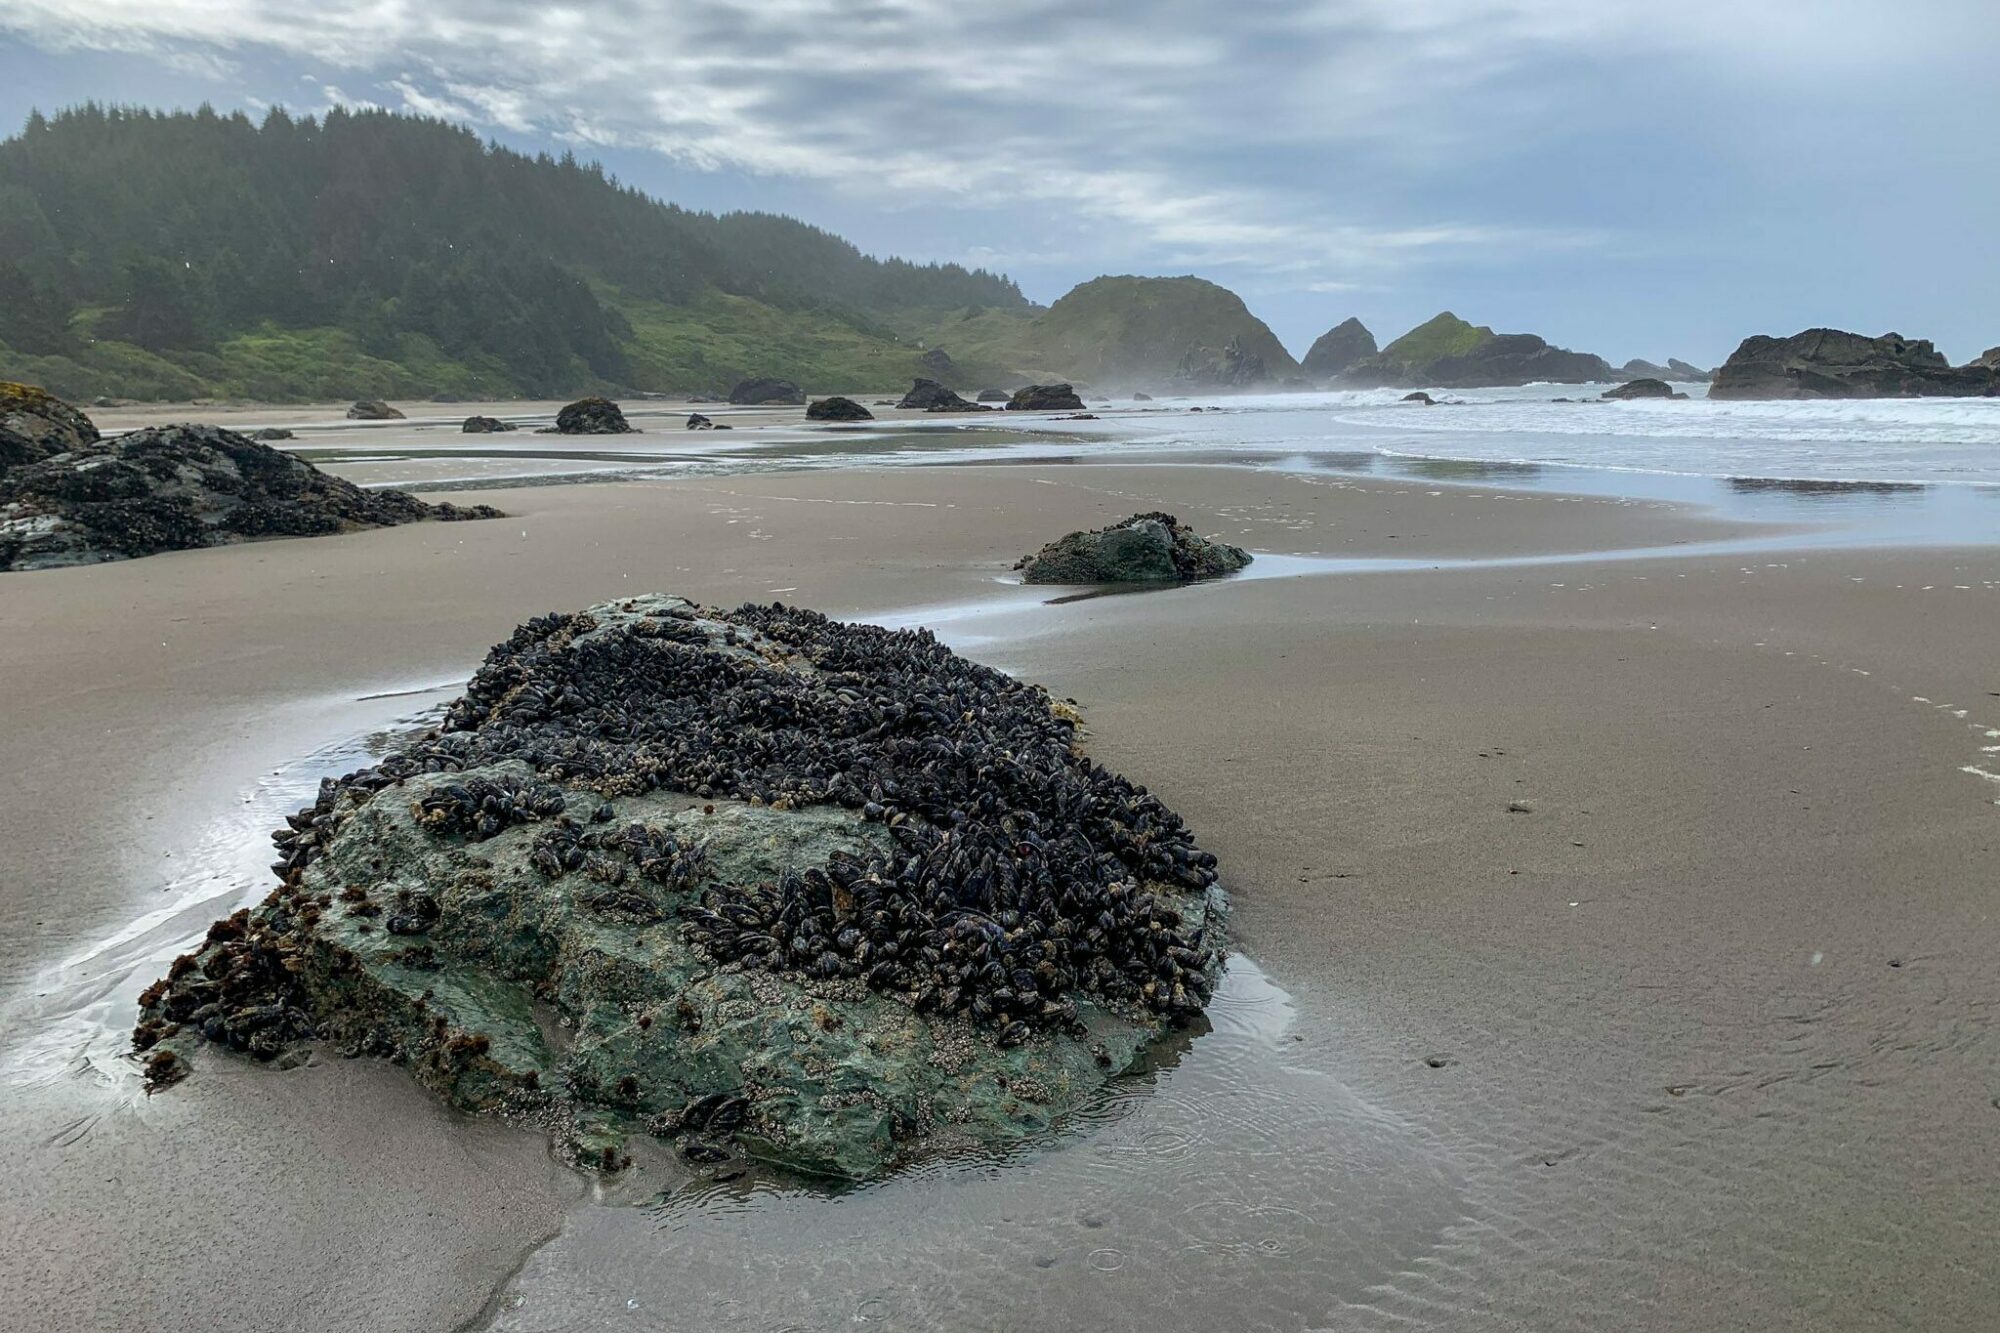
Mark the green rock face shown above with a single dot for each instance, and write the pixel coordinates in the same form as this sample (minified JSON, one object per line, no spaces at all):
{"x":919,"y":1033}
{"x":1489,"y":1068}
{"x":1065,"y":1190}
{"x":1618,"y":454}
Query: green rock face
{"x":521,"y":944}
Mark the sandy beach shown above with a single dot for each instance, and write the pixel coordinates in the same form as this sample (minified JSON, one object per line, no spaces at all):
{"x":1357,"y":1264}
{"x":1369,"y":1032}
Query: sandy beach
{"x":1637,"y":907}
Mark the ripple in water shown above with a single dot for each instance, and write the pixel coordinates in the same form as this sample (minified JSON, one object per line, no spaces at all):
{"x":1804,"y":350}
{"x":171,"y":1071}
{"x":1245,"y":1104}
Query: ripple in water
{"x":1230,"y":1184}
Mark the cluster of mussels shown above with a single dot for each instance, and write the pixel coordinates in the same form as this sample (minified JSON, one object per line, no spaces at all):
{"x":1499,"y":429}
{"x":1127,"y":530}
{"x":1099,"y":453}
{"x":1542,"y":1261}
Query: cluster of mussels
{"x":1021,"y":874}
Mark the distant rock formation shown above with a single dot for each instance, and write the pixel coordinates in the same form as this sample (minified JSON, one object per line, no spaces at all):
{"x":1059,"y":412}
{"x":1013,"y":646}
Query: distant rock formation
{"x":1638,"y":369}
{"x":1447,"y":352}
{"x":1990,"y":358}
{"x":1145,"y":548}
{"x":373,"y":409}
{"x":1140,"y":396}
{"x":993,"y":395}
{"x":35,"y":424}
{"x":936,"y":360}
{"x":1686,"y":373}
{"x":592,"y":416}
{"x":1675,"y":369}
{"x":1831,"y":363}
{"x":838,"y":409}
{"x":1644,"y":388}
{"x":930,"y":396}
{"x":1045,"y":398}
{"x":272,"y":434}
{"x":171,"y":488}
{"x":1420,"y":397}
{"x":1155,"y":331}
{"x":767,"y":392}
{"x":1338,"y":348}
{"x":485,"y":426}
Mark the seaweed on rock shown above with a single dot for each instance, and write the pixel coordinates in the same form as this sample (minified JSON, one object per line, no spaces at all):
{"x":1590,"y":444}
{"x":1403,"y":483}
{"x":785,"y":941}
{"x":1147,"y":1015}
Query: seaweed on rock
{"x":900,"y":832}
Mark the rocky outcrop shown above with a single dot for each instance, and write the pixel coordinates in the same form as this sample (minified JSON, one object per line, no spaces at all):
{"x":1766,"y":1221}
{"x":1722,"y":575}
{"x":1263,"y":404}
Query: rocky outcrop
{"x":1446,"y":352}
{"x":696,"y":421}
{"x":930,"y":396}
{"x":1830,"y":363}
{"x":1638,"y":369}
{"x":172,"y":488}
{"x":1675,"y":369}
{"x":1990,"y":359}
{"x":1420,"y":397}
{"x":670,"y":870}
{"x":593,"y":416}
{"x":767,"y":393}
{"x":1145,"y":548}
{"x":271,"y":434}
{"x":373,"y":409}
{"x":1338,"y":348}
{"x":35,"y":424}
{"x":1643,"y":388}
{"x":1140,"y":396}
{"x":1687,"y":373}
{"x":838,"y":409}
{"x":1233,"y":367}
{"x":993,"y":396}
{"x":485,"y":426}
{"x":1045,"y":398}
{"x":936,"y":360}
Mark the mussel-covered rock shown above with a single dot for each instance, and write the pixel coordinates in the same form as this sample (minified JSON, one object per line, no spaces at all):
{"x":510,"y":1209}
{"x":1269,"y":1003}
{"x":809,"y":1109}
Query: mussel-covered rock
{"x":373,"y":409}
{"x":1045,"y":398}
{"x":476,"y":425}
{"x":592,"y":416}
{"x":1145,"y":548}
{"x":34,"y":424}
{"x":827,"y":893}
{"x":170,"y":488}
{"x":837,"y":409}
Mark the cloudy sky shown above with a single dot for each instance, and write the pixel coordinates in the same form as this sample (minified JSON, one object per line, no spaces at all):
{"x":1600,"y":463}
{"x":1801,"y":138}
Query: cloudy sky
{"x":1633,"y":179}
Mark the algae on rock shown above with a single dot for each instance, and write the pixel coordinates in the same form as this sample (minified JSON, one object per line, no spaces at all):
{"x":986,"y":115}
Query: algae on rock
{"x":539,"y":916}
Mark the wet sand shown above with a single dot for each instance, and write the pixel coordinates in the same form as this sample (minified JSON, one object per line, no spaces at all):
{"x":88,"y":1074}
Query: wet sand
{"x":1704,"y":1036}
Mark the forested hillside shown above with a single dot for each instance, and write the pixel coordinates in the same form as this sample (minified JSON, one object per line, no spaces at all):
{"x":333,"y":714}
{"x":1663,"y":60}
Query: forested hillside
{"x":186,"y":254}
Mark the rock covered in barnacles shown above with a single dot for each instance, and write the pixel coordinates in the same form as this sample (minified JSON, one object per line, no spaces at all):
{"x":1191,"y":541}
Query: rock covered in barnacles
{"x":1145,"y":548}
{"x":171,"y":488}
{"x":592,"y":416}
{"x":827,"y":893}
{"x":35,"y":424}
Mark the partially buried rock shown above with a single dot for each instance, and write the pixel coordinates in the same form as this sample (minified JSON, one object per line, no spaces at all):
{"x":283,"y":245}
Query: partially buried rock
{"x":837,"y":409}
{"x":171,"y":488}
{"x":1420,"y":397}
{"x":373,"y":409}
{"x":271,"y":434}
{"x":696,"y":421}
{"x":485,"y":426}
{"x":704,"y":874}
{"x":35,"y":424}
{"x":1644,"y":388}
{"x":1141,"y":397}
{"x":1145,"y":548}
{"x":766,"y":393}
{"x":1045,"y":398}
{"x":930,"y":396}
{"x":592,"y":416}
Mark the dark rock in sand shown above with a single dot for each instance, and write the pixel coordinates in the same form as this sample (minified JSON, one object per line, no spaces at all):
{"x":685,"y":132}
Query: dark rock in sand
{"x":271,"y":434}
{"x":592,"y":416}
{"x":35,"y":424}
{"x":696,"y":421}
{"x":1829,"y":363}
{"x":767,"y":392}
{"x":1420,"y":397}
{"x":1644,"y":388}
{"x":993,"y":395}
{"x":373,"y":409}
{"x":937,"y":361}
{"x":1339,"y":347}
{"x":930,"y":396}
{"x":704,"y":875}
{"x":838,"y":409}
{"x":1045,"y":398}
{"x":171,"y":488}
{"x":1145,"y":548}
{"x":485,"y":426}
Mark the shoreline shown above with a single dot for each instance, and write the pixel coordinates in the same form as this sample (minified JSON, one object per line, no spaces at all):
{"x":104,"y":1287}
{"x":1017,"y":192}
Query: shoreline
{"x":1323,"y":734}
